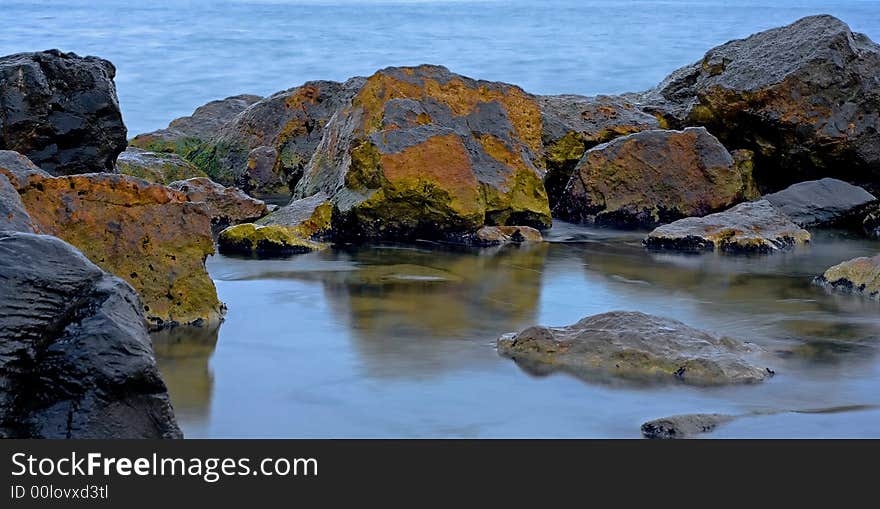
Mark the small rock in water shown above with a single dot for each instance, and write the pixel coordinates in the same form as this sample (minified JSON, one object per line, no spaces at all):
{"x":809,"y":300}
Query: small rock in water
{"x":683,"y":426}
{"x":859,"y":276}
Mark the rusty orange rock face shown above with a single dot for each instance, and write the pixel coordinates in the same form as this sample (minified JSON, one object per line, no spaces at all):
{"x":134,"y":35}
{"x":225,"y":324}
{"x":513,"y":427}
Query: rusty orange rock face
{"x":147,"y":234}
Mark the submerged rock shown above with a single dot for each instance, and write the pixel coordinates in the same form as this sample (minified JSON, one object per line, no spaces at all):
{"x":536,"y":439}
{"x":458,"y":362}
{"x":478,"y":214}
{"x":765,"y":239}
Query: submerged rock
{"x":571,"y":124}
{"x":147,"y":234}
{"x":421,"y":152}
{"x":13,"y":216}
{"x":635,"y":346}
{"x":75,"y":357}
{"x":156,"y":167}
{"x":226,"y":205}
{"x":826,"y":202}
{"x":804,"y":97}
{"x":859,"y":276}
{"x":61,"y":111}
{"x":752,"y":227}
{"x":683,"y":426}
{"x":652,"y":177}
{"x":18,"y":168}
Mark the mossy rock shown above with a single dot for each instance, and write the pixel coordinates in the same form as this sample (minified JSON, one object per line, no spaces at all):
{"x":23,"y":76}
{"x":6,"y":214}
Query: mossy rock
{"x":249,"y":238}
{"x":156,"y":167}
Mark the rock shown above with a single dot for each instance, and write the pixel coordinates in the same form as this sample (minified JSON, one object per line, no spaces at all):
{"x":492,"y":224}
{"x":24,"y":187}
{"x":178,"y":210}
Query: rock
{"x":635,"y":346}
{"x":498,"y":235}
{"x":804,"y":97}
{"x":421,"y":152}
{"x":271,"y":240}
{"x":859,"y":276}
{"x":571,"y":124}
{"x":13,"y":216}
{"x":156,"y":167}
{"x":75,"y":357}
{"x":61,"y":111}
{"x":187,"y":134}
{"x":826,"y":202}
{"x":310,"y":218}
{"x":147,"y":234}
{"x":752,"y":227}
{"x":653,"y":177}
{"x":226,"y":205}
{"x":265,"y":149}
{"x":18,"y":168}
{"x":683,"y":426}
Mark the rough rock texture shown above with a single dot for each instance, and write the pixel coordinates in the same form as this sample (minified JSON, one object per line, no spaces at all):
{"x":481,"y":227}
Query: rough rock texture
{"x":571,"y":124}
{"x":156,"y":167}
{"x":226,"y":205}
{"x":61,"y":111}
{"x":752,"y":227}
{"x":683,"y":426}
{"x":18,"y":168}
{"x":635,"y":346}
{"x":185,"y":134}
{"x":653,"y":177}
{"x":310,"y":217}
{"x":826,"y":202}
{"x":147,"y":234}
{"x":859,"y":276}
{"x":271,"y":240}
{"x":13,"y":216}
{"x":805,"y":97}
{"x":423,"y":152}
{"x":75,"y":357}
{"x":265,"y":149}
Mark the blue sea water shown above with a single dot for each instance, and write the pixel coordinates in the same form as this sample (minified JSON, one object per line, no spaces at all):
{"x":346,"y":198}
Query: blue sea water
{"x":173,"y":55}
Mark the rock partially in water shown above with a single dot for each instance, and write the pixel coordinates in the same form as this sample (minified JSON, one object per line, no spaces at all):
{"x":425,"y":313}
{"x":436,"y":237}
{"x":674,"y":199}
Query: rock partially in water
{"x":147,"y":234}
{"x":652,"y":177}
{"x":270,"y":240}
{"x":635,"y":346}
{"x":859,"y":276}
{"x":75,"y":357}
{"x":421,"y":152}
{"x":804,"y":97}
{"x":499,"y":235}
{"x":13,"y":216}
{"x":156,"y":167}
{"x":226,"y":205}
{"x":752,"y":227}
{"x":310,"y":218}
{"x":683,"y":426}
{"x":61,"y":111}
{"x":18,"y":169}
{"x":571,"y":124}
{"x":825,"y":202}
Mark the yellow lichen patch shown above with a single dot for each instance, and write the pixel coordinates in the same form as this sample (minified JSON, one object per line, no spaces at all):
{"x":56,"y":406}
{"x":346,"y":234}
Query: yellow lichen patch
{"x":251,"y":238}
{"x":863,"y":274}
{"x":525,"y":191}
{"x":569,"y":148}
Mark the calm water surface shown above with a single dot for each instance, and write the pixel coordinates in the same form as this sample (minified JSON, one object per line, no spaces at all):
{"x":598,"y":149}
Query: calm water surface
{"x":398,"y":341}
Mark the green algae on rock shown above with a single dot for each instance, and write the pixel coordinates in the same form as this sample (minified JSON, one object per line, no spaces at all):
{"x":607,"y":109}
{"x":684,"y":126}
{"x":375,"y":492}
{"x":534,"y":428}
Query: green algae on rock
{"x":249,"y":238}
{"x":310,"y":218}
{"x":859,"y":276}
{"x":156,"y":167}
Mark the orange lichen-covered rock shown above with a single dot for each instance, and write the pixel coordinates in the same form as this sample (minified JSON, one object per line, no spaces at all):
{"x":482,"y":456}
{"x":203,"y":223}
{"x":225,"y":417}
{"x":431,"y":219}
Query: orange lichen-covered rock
{"x":147,"y":234}
{"x":421,"y":151}
{"x":653,"y":177}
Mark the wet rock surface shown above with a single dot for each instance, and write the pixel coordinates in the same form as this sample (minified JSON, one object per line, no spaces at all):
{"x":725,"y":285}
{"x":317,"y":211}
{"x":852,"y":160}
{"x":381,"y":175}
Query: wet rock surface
{"x":226,"y":205}
{"x":156,"y":167}
{"x":75,"y":357}
{"x":683,"y":426}
{"x":61,"y":111}
{"x":751,"y":227}
{"x":653,"y":177}
{"x":825,"y":202}
{"x":859,"y":276}
{"x":635,"y":346}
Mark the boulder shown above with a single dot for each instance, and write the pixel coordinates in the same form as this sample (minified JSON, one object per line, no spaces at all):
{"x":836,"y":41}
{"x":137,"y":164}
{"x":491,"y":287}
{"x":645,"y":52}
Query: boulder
{"x":683,"y":426}
{"x":13,"y":216}
{"x":18,"y":168}
{"x":147,"y":234}
{"x":653,"y":177}
{"x":265,"y":149}
{"x":859,"y":276}
{"x":752,"y":227}
{"x":311,"y":218}
{"x":421,"y":152}
{"x":825,"y":202}
{"x":571,"y":124}
{"x":156,"y":167}
{"x":638,"y":347}
{"x":61,"y":111}
{"x":186,"y":134}
{"x":804,"y":97}
{"x":226,"y":205}
{"x":75,"y":357}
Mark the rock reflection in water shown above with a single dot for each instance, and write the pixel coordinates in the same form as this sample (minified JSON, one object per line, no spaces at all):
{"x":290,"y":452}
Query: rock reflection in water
{"x":183,"y":354}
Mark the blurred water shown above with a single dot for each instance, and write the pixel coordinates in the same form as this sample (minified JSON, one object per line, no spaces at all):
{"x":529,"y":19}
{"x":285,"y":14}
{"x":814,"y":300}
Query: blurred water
{"x":173,"y":55}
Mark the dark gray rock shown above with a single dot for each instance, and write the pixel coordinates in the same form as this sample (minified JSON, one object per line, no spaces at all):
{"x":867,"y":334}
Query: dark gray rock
{"x":683,"y":426}
{"x":61,"y":111}
{"x":13,"y":215}
{"x":825,"y":202}
{"x":18,"y":168}
{"x":75,"y":357}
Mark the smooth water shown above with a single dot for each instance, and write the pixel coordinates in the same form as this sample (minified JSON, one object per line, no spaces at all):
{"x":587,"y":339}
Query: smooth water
{"x":398,"y":341}
{"x":173,"y":55}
